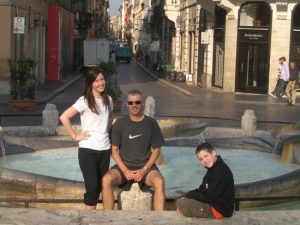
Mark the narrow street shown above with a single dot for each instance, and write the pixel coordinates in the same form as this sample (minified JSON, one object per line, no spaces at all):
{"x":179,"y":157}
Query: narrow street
{"x":217,"y":108}
{"x":214,"y":107}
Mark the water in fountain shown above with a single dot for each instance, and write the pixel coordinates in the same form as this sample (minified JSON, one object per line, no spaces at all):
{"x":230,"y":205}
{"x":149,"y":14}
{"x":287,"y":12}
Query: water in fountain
{"x":4,"y":162}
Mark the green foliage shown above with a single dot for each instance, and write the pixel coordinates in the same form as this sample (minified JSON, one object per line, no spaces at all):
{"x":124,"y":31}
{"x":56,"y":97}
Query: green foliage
{"x":112,"y":87}
{"x":22,"y":79}
{"x":108,"y":67}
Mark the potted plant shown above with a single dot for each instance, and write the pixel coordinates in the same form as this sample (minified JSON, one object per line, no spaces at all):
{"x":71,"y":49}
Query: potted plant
{"x":114,"y":91}
{"x":22,"y":84}
{"x":112,"y":86}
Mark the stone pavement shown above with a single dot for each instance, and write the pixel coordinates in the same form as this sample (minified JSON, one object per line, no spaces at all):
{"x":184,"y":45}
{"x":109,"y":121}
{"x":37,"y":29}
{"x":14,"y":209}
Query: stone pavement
{"x":20,"y":216}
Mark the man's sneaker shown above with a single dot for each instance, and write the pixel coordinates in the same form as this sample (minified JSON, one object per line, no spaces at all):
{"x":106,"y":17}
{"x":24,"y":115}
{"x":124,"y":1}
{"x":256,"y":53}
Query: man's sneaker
{"x":284,"y":96}
{"x":274,"y":96}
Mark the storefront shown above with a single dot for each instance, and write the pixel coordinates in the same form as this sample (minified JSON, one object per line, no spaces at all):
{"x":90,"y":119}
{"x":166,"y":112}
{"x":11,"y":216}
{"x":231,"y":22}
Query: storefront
{"x":295,"y":36}
{"x":253,"y":50}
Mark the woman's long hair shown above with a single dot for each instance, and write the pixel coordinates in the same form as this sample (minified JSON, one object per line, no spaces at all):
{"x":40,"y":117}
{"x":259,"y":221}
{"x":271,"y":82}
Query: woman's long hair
{"x":90,"y":76}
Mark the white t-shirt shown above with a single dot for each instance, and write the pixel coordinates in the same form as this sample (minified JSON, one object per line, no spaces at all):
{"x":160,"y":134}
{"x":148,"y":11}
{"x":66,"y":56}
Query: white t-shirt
{"x":96,"y":125}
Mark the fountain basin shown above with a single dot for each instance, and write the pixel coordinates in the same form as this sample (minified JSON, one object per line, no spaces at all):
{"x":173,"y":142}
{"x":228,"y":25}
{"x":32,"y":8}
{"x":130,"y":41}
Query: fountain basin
{"x":258,"y":183}
{"x":21,"y":184}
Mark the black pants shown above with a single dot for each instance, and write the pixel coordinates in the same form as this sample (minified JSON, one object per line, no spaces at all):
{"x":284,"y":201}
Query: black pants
{"x":93,"y":164}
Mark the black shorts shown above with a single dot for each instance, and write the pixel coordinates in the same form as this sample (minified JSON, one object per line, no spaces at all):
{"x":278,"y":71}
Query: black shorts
{"x":126,"y":185}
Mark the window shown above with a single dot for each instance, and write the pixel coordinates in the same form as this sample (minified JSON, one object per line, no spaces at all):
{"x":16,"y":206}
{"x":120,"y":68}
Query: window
{"x":255,"y":15}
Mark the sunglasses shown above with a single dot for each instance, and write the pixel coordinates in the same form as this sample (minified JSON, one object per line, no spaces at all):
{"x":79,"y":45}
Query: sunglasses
{"x":136,"y":102}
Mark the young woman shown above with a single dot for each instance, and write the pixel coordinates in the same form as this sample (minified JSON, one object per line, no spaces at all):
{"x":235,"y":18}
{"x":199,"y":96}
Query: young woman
{"x":95,"y":109}
{"x":215,"y":196}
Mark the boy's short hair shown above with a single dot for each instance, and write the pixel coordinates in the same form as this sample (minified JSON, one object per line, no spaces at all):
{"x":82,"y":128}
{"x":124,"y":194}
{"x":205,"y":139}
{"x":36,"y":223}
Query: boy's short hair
{"x":205,"y":146}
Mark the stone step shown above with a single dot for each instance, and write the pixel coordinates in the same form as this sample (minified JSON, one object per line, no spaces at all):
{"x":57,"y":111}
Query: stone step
{"x":75,"y":217}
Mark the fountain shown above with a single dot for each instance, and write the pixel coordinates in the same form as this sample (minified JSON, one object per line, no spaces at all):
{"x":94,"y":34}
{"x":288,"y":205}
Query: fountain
{"x":189,"y":132}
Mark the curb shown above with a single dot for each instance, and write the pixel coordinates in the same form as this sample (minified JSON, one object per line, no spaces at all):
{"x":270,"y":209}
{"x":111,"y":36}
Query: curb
{"x":161,"y":80}
{"x":60,"y":89}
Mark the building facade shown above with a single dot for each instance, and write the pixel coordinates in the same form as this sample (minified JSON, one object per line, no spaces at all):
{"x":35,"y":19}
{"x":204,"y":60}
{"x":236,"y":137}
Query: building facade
{"x":52,"y":35}
{"x":234,"y":45}
{"x":29,"y":41}
{"x":227,"y":45}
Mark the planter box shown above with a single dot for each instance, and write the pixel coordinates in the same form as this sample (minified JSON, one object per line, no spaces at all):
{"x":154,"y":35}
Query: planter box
{"x":117,"y":105}
{"x":188,"y":82}
{"x":22,"y":105}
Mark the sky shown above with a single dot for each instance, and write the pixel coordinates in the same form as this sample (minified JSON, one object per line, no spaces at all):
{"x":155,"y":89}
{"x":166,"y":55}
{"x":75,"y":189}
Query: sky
{"x":114,"y":7}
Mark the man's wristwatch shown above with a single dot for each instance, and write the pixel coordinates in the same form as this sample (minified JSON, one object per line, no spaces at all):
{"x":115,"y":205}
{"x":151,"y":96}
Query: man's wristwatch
{"x":146,"y":168}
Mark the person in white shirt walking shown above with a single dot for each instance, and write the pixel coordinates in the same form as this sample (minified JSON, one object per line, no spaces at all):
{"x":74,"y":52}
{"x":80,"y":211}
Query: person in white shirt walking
{"x":95,"y":109}
{"x":283,"y":78}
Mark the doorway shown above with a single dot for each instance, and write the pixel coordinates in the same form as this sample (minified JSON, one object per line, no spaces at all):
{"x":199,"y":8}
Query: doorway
{"x":252,"y":65}
{"x":253,"y":68}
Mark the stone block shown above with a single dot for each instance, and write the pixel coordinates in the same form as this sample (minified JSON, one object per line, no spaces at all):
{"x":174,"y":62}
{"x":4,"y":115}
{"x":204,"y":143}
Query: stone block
{"x":149,"y":106}
{"x":135,"y":199}
{"x":248,"y":122}
{"x":50,"y":118}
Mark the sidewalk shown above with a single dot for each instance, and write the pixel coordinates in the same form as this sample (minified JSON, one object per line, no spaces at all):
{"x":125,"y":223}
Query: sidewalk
{"x":44,"y":93}
{"x":238,"y":97}
{"x":48,"y":90}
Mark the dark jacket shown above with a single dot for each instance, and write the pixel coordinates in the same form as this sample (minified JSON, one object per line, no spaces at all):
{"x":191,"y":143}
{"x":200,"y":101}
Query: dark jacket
{"x":217,"y":188}
{"x":293,"y":75}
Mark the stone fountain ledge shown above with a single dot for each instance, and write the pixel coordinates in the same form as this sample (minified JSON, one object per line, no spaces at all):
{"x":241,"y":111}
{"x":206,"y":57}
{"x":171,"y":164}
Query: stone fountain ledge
{"x":76,"y":217}
{"x":18,"y":141}
{"x":177,"y":132}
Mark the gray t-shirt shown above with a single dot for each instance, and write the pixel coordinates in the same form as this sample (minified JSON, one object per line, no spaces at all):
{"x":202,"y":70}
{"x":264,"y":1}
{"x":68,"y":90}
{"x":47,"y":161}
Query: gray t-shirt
{"x":135,"y":139}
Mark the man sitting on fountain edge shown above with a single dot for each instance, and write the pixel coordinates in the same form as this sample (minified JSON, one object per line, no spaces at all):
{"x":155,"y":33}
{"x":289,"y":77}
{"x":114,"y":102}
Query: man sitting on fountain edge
{"x":136,"y":145}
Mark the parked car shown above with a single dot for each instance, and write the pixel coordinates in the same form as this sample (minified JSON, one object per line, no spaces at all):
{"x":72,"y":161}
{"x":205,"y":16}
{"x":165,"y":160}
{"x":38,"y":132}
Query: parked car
{"x":123,"y":53}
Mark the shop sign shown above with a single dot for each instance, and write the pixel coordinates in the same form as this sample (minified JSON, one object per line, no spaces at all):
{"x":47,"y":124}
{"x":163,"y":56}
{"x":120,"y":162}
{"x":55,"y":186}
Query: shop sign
{"x":254,"y":36}
{"x":19,"y":25}
{"x":204,"y":38}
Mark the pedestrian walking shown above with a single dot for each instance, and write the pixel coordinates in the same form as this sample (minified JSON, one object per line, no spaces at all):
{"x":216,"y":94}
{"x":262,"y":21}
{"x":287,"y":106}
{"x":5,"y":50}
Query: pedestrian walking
{"x":147,"y":60}
{"x":282,"y":79}
{"x":215,"y":196}
{"x":136,"y":145}
{"x":95,"y":109}
{"x":291,"y":91}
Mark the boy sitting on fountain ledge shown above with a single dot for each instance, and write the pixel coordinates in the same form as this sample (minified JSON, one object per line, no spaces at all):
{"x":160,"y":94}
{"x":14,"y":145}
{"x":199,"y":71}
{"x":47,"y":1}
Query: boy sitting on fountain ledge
{"x":215,"y":196}
{"x":136,"y":144}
